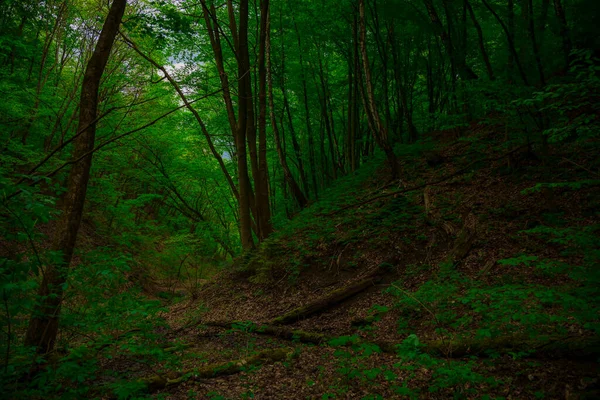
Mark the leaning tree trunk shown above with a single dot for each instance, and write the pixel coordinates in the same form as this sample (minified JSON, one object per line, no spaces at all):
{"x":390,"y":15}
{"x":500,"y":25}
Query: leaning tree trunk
{"x":43,"y":326}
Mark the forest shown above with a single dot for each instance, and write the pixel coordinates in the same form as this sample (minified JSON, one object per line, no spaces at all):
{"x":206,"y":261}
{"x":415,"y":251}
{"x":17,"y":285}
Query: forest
{"x":309,"y":199}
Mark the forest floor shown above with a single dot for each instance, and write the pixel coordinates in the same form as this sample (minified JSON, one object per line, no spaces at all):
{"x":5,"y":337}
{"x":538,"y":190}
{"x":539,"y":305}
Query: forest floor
{"x":472,"y":286}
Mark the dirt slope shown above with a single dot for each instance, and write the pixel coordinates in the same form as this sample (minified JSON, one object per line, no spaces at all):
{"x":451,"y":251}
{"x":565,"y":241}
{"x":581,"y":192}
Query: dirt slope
{"x":488,"y":286}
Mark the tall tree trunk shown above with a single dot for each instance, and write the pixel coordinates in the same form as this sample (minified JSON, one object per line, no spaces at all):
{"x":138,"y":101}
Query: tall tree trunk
{"x":402,"y":88}
{"x":564,"y":31}
{"x":289,"y":178}
{"x":534,"y":44}
{"x":511,"y":42}
{"x":215,"y":41}
{"x":43,"y":326}
{"x":287,"y":111}
{"x":510,"y":33}
{"x":309,"y":133}
{"x":326,"y":115}
{"x":542,"y":22}
{"x":380,"y":133}
{"x":262,"y":191}
{"x":245,"y":188}
{"x":484,"y":54}
{"x":457,"y":60}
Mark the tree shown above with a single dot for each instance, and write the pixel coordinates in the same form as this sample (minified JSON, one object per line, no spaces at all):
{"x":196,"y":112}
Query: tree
{"x":43,"y":326}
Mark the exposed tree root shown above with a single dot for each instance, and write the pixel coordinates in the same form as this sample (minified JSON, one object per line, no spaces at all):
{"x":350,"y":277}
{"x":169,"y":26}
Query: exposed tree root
{"x":335,"y":297}
{"x":158,"y":382}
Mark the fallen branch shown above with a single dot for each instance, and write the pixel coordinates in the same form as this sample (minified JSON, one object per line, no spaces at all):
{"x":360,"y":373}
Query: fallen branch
{"x":335,"y":297}
{"x":158,"y":382}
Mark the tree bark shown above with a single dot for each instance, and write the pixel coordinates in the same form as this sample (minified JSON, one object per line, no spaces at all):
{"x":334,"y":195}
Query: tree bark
{"x":43,"y":326}
{"x":262,"y":190}
{"x":240,"y":139}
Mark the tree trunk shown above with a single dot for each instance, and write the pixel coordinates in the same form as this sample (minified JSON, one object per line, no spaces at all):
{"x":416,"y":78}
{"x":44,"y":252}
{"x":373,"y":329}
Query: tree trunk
{"x":287,"y":111}
{"x":309,"y":133}
{"x":240,"y":139}
{"x":381,"y":134}
{"x":215,"y":40}
{"x":289,"y":178}
{"x":564,"y":31}
{"x":511,"y":42}
{"x":481,"y":42}
{"x":43,"y":326}
{"x":510,"y":33}
{"x":534,"y":44}
{"x":458,"y":61}
{"x":262,"y":190}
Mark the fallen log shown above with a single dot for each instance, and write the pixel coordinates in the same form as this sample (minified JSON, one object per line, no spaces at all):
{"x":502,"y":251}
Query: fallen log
{"x":540,"y":347}
{"x":159,"y":382}
{"x":333,"y":298}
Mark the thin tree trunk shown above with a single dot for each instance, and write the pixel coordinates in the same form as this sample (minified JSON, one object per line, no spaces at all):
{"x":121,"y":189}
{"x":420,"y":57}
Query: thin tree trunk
{"x":262,"y":192}
{"x":215,"y":40}
{"x":326,"y":115}
{"x":458,"y":62}
{"x":510,"y":33}
{"x":289,"y":178}
{"x":511,"y":43}
{"x":564,"y":31}
{"x":542,"y":22}
{"x":309,"y":133}
{"x":534,"y":44}
{"x":481,"y":42}
{"x":295,"y":143}
{"x":380,"y":133}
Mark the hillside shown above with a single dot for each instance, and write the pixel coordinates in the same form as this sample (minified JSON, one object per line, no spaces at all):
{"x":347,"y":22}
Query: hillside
{"x":482,"y":283}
